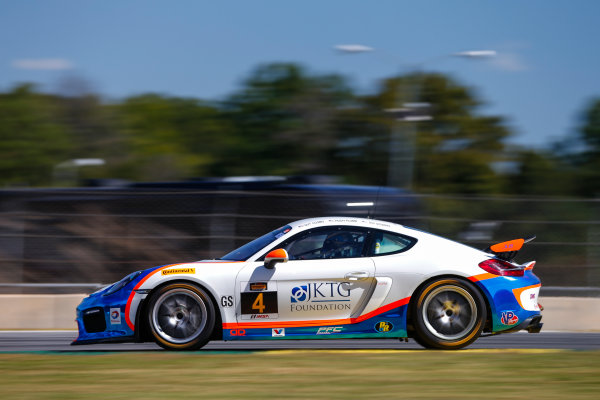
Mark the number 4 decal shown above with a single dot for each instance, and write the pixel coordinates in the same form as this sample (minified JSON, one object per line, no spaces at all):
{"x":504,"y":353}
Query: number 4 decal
{"x":258,"y":304}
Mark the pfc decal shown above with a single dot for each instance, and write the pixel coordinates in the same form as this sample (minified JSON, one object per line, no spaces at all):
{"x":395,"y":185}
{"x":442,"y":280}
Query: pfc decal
{"x":278,"y":332}
{"x":383,"y":326}
{"x":237,"y":332}
{"x":178,"y":271}
{"x":328,"y":330}
{"x":115,"y":316}
{"x":227,"y":301}
{"x":509,"y":318}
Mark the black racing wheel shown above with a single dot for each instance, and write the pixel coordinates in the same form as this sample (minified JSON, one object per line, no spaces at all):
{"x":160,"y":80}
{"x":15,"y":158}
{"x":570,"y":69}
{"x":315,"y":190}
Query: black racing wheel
{"x":448,"y":314}
{"x":181,"y":316}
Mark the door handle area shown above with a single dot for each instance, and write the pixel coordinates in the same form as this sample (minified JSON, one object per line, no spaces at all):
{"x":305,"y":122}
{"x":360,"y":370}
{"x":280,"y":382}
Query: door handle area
{"x":356,"y":275}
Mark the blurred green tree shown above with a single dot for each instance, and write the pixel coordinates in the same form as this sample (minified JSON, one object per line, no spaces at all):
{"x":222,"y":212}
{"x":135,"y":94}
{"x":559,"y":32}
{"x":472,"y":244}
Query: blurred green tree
{"x":282,"y":122}
{"x":32,"y":140}
{"x":454,"y":152}
{"x":541,"y":173}
{"x":589,"y":159}
{"x":169,"y":138}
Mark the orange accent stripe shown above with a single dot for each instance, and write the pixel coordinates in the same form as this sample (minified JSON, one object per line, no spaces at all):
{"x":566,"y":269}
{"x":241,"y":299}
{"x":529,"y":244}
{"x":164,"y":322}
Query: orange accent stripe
{"x":517,"y":292}
{"x":298,"y":324}
{"x":482,"y":277}
{"x":130,"y":299}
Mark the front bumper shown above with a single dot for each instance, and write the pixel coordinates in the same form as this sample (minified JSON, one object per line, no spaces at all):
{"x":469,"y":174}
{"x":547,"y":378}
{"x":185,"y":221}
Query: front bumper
{"x":110,"y":317}
{"x":102,"y":319}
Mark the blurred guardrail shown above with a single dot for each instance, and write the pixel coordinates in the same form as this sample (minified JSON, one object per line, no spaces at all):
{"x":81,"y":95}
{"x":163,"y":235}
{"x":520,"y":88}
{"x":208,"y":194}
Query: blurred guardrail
{"x":74,"y":240}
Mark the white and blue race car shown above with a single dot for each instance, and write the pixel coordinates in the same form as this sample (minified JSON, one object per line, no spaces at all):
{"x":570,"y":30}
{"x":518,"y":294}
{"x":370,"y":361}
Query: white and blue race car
{"x":332,"y":277}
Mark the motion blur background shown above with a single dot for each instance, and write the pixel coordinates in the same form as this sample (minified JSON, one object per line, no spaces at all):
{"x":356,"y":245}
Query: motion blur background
{"x":129,"y":130}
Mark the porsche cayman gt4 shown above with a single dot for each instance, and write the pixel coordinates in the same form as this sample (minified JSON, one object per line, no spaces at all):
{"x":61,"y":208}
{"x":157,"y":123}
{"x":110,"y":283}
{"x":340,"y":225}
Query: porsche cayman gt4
{"x":323,"y":278}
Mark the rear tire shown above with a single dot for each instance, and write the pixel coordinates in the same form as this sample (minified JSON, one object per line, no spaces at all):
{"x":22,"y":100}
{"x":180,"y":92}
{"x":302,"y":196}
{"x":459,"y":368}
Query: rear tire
{"x":448,"y":314}
{"x":181,"y":316}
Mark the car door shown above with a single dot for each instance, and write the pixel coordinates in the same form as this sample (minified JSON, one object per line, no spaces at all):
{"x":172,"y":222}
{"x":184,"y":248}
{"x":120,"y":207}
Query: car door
{"x":327,"y":277}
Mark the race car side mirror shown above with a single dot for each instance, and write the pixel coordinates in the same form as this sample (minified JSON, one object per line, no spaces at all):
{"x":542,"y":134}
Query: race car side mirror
{"x":274,"y":257}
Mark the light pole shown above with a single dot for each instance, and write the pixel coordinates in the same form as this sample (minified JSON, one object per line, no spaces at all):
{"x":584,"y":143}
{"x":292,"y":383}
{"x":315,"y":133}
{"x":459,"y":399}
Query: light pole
{"x":402,"y":158}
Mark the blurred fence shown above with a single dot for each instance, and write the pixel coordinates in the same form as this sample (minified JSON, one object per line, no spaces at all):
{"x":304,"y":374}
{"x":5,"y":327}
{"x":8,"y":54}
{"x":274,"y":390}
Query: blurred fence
{"x":64,"y":240}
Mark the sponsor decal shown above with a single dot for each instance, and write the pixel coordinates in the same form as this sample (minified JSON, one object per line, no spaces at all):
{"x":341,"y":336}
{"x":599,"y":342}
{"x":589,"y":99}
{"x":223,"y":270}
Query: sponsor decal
{"x":226,"y":301}
{"x":259,"y":305}
{"x":237,"y":332}
{"x":509,"y":318}
{"x":320,"y":307}
{"x":258,"y":286}
{"x":320,"y":296}
{"x":178,"y":271}
{"x":261,"y":316}
{"x":383,"y":326}
{"x":115,"y":316}
{"x":320,"y":293}
{"x":278,"y":332}
{"x":280,"y":234}
{"x":328,"y":330}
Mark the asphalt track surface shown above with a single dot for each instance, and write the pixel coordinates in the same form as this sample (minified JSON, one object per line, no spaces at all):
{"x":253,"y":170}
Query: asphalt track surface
{"x":59,"y":341}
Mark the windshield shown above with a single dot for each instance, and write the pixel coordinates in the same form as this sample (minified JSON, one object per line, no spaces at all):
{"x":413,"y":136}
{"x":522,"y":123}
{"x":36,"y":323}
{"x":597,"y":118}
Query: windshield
{"x":249,"y":249}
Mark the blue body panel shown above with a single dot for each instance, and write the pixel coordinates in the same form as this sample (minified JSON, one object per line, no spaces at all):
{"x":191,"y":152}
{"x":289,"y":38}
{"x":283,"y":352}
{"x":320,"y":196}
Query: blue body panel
{"x":116,"y":327}
{"x":499,"y":292}
{"x":391,"y":324}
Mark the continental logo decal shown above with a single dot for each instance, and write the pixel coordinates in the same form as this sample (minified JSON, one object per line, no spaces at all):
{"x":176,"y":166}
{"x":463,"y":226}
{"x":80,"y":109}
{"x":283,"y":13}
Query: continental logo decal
{"x":178,"y":271}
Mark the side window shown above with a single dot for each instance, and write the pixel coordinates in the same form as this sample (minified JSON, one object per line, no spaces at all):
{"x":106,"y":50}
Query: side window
{"x":385,"y":243}
{"x":326,"y":243}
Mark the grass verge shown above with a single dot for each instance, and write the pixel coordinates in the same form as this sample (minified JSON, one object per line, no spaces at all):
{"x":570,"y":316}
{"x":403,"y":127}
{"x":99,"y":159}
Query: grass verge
{"x":304,"y":374}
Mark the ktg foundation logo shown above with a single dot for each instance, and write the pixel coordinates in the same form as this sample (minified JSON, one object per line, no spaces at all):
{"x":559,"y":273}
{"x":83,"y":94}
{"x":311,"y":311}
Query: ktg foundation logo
{"x":321,"y":292}
{"x":320,"y":296}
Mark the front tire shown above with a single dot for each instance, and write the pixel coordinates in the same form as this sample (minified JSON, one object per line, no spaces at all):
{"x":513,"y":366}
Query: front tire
{"x":448,"y":314}
{"x":181,"y":316}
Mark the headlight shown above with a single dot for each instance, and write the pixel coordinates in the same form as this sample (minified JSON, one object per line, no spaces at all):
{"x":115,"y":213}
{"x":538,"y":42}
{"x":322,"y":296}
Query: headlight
{"x":122,"y":283}
{"x":102,"y":289}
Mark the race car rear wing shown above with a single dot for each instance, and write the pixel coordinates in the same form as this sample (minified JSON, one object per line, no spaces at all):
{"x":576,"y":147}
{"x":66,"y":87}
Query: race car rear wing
{"x":508,"y":250}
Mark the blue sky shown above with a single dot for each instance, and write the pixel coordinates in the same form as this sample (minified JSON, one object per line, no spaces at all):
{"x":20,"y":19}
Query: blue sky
{"x":545,"y":74}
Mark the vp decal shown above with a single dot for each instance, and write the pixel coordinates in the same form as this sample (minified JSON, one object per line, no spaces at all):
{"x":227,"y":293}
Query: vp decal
{"x":509,"y":318}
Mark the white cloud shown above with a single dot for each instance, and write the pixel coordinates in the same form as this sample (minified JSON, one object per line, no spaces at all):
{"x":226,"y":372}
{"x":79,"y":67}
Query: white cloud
{"x":47,"y":64}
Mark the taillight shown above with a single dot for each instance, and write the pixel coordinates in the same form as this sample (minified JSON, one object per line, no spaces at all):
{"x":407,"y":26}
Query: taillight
{"x":500,"y":267}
